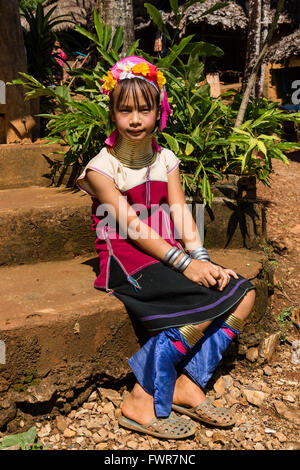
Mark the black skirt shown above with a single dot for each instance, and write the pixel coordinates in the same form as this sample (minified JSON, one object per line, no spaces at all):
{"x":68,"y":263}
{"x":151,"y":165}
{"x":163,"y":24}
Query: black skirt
{"x":165,"y":298}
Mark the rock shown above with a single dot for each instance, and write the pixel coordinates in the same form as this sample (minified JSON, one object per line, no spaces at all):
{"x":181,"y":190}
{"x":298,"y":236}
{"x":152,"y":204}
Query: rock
{"x":259,"y":446}
{"x":111,"y":395}
{"x":132,"y":444}
{"x":88,"y":406}
{"x":45,"y":431}
{"x":252,"y":354}
{"x":290,"y":414}
{"x":267,"y":347}
{"x":102,"y":446}
{"x":255,"y":397}
{"x":219,"y":387}
{"x":108,"y":407}
{"x":268,"y":370}
{"x":7,"y":414}
{"x":4,"y":385}
{"x":281,"y":437}
{"x":292,"y":445}
{"x":61,"y":423}
{"x":40,"y":393}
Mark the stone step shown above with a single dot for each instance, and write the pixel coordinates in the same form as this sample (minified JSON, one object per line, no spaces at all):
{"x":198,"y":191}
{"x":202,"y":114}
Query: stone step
{"x":49,"y":223}
{"x":23,"y":165}
{"x":41,"y":224}
{"x":59,"y":335}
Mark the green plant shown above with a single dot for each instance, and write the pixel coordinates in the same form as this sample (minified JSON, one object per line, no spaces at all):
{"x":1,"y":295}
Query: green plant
{"x":25,"y":440}
{"x":39,"y":41}
{"x":81,"y":119}
{"x":201,"y":132}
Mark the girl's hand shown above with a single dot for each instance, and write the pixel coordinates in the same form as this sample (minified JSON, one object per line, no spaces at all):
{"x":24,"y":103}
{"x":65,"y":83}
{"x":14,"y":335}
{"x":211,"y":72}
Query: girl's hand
{"x":208,"y":274}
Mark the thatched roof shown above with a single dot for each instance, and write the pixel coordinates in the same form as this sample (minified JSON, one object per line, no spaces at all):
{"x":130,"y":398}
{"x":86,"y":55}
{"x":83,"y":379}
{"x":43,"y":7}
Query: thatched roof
{"x":232,"y":17}
{"x":287,"y":47}
{"x":77,"y":12}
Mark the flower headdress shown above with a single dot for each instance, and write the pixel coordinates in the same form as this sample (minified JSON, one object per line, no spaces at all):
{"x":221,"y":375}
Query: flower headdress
{"x":136,"y":67}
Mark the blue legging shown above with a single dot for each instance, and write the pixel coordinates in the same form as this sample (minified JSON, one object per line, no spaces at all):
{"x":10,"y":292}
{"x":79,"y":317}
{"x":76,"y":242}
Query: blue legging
{"x":155,"y":364}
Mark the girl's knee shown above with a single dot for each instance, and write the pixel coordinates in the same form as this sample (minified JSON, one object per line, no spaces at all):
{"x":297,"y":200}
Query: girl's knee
{"x":249,"y":299}
{"x":251,"y":295}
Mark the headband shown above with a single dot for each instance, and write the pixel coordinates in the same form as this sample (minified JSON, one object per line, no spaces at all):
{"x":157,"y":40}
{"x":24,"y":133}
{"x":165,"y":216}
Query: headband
{"x":137,"y":67}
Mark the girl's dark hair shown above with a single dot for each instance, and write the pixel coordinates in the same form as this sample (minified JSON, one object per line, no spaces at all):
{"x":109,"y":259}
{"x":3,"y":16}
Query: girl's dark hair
{"x":130,"y":87}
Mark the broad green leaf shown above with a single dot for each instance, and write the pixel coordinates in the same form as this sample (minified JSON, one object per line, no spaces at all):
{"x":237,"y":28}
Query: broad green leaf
{"x":98,"y":26}
{"x":175,"y":51}
{"x":86,"y":33}
{"x":174,"y":6}
{"x":155,"y":15}
{"x":189,"y":148}
{"x":118,"y":38}
{"x":173,"y":144}
{"x":133,"y":47}
{"x":262,"y":147}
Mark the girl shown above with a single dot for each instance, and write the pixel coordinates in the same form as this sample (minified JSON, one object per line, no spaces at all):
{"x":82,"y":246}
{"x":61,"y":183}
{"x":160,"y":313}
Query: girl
{"x":191,"y":307}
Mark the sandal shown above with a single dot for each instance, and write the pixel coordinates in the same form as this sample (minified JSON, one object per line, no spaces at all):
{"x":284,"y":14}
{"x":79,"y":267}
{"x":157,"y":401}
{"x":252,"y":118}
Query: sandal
{"x":208,"y":412}
{"x":164,"y":428}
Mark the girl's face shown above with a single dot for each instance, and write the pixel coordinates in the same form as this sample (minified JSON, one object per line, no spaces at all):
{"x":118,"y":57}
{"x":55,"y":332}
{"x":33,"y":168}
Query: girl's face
{"x":135,"y":115}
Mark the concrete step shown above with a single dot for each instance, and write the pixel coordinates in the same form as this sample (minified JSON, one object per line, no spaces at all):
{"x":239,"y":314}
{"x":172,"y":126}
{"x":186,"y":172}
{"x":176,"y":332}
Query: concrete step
{"x":48,"y":223}
{"x":60,"y":336}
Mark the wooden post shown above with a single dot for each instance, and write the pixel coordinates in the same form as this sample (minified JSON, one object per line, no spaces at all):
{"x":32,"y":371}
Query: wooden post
{"x":12,"y":61}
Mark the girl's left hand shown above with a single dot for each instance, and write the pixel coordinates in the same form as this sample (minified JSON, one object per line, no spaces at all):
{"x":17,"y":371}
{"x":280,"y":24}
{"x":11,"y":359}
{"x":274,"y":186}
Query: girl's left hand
{"x":224,"y":277}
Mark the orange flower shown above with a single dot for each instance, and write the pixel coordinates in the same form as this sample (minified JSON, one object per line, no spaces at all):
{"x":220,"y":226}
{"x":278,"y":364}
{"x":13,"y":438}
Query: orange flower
{"x":142,"y":68}
{"x":160,"y":79}
{"x":109,"y":82}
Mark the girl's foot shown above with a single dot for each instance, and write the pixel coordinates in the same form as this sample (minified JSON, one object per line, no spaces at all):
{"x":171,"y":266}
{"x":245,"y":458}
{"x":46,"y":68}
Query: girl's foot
{"x":187,"y":393}
{"x":138,"y":415}
{"x":190,"y":400}
{"x":139,"y":406}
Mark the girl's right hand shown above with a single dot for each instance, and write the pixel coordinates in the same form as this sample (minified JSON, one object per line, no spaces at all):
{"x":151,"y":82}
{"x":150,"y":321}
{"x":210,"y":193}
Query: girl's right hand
{"x":207,"y":274}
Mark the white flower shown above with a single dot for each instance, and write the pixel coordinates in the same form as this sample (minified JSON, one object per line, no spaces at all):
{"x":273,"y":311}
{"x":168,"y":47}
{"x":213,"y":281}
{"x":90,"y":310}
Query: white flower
{"x":124,"y":75}
{"x":126,"y":66}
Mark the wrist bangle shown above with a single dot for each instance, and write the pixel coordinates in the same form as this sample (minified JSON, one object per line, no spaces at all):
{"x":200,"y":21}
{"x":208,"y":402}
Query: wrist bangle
{"x":200,"y":254}
{"x":172,"y":255}
{"x":183,"y":263}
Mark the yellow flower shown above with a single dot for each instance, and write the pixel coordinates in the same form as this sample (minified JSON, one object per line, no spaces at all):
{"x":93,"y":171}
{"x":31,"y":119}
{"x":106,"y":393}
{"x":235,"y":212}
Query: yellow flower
{"x":161,"y":80}
{"x":109,"y":82}
{"x":141,"y":68}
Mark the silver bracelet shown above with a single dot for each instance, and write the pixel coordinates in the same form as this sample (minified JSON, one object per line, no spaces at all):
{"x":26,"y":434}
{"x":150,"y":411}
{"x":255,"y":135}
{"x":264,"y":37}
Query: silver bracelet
{"x":172,"y":255}
{"x":183,"y":263}
{"x":200,"y":254}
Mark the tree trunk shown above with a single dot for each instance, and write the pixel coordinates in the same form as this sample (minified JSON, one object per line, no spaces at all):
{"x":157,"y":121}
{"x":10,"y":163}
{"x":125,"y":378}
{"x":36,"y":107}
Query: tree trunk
{"x":253,"y":39}
{"x":265,"y":12}
{"x":118,"y":13}
{"x":12,"y":61}
{"x":253,"y":75}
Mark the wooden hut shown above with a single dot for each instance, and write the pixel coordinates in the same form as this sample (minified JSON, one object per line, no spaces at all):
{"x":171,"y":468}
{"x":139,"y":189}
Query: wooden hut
{"x":283,"y":70}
